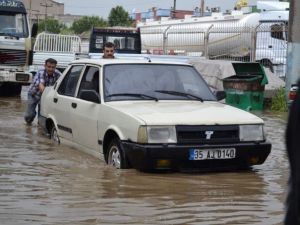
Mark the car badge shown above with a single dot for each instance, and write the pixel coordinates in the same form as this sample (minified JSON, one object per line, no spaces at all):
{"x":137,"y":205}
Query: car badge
{"x":208,"y":134}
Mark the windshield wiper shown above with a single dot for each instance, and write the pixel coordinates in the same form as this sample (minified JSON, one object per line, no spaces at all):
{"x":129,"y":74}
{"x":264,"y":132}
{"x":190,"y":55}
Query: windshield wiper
{"x":190,"y":96}
{"x":134,"y":95}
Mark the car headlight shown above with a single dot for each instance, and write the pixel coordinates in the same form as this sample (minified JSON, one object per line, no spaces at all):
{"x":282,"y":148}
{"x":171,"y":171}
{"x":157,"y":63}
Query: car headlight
{"x":157,"y":134}
{"x":252,"y":132}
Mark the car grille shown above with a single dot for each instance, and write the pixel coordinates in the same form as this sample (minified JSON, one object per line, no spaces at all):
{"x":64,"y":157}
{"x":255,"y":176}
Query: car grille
{"x":12,"y":57}
{"x":207,"y":134}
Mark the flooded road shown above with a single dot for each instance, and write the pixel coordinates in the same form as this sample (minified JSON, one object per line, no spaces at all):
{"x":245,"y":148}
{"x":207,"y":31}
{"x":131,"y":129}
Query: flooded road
{"x":42,"y":183}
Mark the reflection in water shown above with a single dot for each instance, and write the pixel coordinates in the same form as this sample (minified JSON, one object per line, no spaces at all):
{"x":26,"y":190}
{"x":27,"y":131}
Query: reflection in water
{"x":41,"y":183}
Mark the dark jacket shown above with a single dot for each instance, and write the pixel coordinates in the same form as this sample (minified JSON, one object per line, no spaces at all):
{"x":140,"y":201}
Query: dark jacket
{"x":293,"y":150}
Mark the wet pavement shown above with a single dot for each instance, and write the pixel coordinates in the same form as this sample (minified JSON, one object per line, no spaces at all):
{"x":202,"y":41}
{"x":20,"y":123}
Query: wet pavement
{"x":43,"y":183}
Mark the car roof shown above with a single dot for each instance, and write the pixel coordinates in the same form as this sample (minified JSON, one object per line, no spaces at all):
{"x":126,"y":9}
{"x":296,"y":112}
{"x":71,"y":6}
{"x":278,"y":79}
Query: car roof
{"x":103,"y":62}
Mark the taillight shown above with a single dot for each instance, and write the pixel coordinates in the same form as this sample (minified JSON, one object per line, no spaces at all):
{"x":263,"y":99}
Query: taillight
{"x":292,"y":95}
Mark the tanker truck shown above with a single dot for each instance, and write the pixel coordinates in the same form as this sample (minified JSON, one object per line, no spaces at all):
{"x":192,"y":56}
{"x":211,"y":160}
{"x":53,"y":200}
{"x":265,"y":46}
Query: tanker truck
{"x":260,"y":37}
{"x":15,"y":47}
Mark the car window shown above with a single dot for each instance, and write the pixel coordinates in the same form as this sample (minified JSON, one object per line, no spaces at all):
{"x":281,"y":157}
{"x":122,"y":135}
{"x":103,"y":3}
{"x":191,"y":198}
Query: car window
{"x":69,"y":83}
{"x":90,"y":80}
{"x":152,"y":80}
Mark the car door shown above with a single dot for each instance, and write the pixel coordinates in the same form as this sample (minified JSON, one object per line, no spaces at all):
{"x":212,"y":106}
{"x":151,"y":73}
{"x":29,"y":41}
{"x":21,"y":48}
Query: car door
{"x":85,"y":115}
{"x":63,"y":100}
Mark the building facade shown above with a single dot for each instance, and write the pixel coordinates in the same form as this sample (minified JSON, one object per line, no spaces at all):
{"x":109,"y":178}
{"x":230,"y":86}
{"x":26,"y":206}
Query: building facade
{"x":40,"y":9}
{"x":159,"y":14}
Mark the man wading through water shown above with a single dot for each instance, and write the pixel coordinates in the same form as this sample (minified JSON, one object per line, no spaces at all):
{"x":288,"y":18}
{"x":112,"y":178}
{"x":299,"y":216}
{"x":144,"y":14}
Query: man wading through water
{"x":43,"y":78}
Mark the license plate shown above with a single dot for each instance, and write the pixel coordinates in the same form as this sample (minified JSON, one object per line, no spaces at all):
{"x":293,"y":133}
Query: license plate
{"x":218,"y":153}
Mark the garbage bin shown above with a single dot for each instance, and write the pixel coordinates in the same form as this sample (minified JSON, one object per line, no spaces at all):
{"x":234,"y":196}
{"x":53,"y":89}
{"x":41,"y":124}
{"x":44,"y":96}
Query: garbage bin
{"x":245,"y":90}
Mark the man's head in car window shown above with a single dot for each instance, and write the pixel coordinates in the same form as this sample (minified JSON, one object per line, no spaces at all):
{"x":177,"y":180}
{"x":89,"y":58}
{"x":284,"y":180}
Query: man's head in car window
{"x":109,"y":50}
{"x":50,"y":66}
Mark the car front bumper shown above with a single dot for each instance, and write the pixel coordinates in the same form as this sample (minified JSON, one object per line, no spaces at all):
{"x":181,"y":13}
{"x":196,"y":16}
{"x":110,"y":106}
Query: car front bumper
{"x":176,"y":157}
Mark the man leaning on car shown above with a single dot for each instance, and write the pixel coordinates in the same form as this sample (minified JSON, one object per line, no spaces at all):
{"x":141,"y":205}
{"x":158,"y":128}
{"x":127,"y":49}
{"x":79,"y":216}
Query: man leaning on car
{"x":43,"y":78}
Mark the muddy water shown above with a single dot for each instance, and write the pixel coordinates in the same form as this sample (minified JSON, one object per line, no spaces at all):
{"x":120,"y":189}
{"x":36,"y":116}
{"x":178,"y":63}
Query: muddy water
{"x":41,"y":183}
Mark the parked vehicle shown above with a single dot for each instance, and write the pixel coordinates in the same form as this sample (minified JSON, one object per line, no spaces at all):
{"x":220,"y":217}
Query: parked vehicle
{"x":292,"y":94}
{"x":126,"y":39}
{"x":63,"y":48}
{"x":15,"y":47}
{"x":259,"y":37}
{"x":127,"y":42}
{"x":150,"y":115}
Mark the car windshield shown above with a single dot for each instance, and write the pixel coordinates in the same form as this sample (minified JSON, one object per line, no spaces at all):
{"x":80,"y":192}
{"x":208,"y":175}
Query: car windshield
{"x":13,"y":25}
{"x":157,"y":81}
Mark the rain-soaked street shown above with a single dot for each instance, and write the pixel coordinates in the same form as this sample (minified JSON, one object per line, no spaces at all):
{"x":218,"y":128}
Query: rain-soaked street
{"x":43,"y":183}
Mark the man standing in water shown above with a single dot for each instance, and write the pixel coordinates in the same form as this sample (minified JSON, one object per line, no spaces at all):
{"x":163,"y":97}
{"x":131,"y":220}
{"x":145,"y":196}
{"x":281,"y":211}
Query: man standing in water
{"x":43,"y":78}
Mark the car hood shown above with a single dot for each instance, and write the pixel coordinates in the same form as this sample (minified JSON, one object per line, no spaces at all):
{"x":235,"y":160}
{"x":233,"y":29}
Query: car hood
{"x":185,"y":113}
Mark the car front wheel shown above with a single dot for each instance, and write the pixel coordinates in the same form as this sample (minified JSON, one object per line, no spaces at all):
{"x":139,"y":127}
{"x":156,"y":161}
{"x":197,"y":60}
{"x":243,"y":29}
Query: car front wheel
{"x":116,"y":156}
{"x":54,"y":135}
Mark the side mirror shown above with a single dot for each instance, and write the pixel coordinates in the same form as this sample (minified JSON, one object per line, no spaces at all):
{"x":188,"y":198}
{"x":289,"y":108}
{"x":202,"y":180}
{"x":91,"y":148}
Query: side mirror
{"x":220,"y":95}
{"x":34,"y":30}
{"x":90,"y":95}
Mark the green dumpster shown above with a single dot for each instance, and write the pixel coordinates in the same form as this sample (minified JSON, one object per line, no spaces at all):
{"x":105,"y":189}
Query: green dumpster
{"x":245,"y":90}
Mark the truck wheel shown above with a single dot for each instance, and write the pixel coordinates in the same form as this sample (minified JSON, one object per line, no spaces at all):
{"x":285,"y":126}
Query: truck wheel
{"x":116,"y":156}
{"x":54,"y":135}
{"x":17,"y":88}
{"x":10,"y":89}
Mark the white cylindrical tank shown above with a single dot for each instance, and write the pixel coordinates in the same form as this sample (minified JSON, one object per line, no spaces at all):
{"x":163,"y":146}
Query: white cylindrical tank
{"x":224,"y":33}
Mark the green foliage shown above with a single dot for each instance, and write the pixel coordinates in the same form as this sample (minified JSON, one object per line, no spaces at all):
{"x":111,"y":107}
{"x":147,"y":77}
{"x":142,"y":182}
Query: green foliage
{"x":118,"y":17}
{"x":86,"y":23}
{"x":279,"y":102}
{"x":67,"y":31}
{"x":51,"y":26}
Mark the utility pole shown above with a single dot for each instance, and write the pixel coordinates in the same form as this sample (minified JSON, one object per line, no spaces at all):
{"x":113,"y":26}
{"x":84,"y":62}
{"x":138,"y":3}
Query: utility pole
{"x":174,"y":9}
{"x":46,"y":10}
{"x":293,"y":56}
{"x":36,"y":14}
{"x":202,"y":8}
{"x":30,"y":10}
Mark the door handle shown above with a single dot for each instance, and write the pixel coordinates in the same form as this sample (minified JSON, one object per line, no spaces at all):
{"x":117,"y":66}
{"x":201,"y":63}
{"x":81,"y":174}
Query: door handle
{"x":55,"y":100}
{"x":74,"y":105}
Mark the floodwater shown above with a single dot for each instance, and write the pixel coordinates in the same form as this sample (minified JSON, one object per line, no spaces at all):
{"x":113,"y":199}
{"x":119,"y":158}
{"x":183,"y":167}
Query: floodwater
{"x":43,"y":183}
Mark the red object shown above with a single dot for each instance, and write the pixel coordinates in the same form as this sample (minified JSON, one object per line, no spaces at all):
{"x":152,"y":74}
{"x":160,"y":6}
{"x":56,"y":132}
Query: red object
{"x":292,"y":95}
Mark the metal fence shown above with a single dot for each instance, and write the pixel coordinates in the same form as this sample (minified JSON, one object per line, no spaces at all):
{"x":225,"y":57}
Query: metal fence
{"x":57,"y":43}
{"x":265,"y":43}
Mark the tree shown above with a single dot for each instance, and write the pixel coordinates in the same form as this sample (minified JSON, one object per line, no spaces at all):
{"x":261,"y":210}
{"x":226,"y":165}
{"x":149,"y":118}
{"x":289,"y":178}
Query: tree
{"x":51,"y":26}
{"x":86,"y":23}
{"x":119,"y":17}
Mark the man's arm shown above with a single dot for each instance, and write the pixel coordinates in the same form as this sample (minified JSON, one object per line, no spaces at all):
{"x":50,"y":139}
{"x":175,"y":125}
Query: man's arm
{"x":41,"y":87}
{"x":41,"y":81}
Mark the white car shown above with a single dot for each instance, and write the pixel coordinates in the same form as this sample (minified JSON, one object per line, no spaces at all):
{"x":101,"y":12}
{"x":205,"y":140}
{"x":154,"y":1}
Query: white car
{"x":150,"y":115}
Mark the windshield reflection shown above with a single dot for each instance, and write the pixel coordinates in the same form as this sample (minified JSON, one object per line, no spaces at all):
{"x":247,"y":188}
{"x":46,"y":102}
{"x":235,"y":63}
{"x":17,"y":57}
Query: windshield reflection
{"x":160,"y":81}
{"x":13,"y":25}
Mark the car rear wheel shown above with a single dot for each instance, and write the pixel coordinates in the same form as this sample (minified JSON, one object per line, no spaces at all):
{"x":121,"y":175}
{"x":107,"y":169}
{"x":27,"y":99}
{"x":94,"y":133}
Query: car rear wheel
{"x":54,"y":135}
{"x":116,"y":156}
